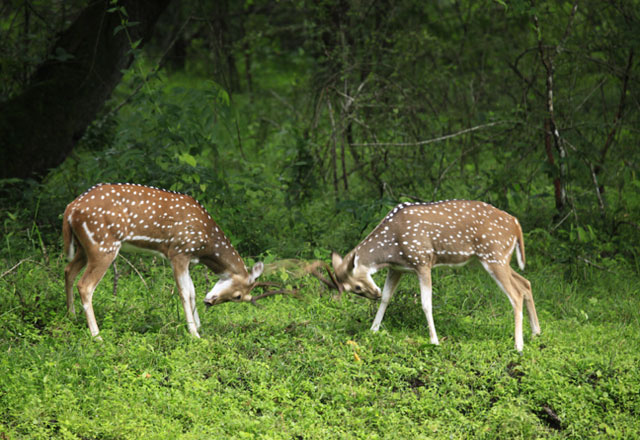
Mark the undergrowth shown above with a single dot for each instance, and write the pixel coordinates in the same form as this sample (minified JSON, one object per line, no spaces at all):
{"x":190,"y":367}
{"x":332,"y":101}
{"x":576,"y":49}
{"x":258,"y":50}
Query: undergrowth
{"x":288,"y":171}
{"x":309,"y":367}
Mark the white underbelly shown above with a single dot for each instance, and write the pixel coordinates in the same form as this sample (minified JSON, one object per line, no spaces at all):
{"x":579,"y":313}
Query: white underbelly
{"x":131,"y":248}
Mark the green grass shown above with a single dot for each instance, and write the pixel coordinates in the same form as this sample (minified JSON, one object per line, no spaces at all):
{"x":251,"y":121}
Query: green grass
{"x":310,"y":368}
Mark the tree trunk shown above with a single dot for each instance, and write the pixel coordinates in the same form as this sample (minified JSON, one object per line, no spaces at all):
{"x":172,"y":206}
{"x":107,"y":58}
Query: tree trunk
{"x":547,"y":56}
{"x":40,"y":127}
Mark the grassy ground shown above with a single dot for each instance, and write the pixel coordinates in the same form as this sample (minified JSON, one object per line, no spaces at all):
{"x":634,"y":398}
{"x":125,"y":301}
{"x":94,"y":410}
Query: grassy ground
{"x":309,"y":368}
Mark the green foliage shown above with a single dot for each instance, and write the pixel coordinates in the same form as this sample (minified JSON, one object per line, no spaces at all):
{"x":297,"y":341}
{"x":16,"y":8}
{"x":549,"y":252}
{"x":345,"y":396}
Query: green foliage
{"x":26,"y":30}
{"x":309,"y":134}
{"x":311,"y":368}
{"x":298,"y":138}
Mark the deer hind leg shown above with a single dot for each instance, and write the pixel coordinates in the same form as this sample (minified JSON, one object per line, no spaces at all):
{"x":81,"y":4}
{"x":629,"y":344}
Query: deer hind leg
{"x":97,"y":266}
{"x":525,"y":288}
{"x":501,"y":273}
{"x":194,"y":309}
{"x":426,"y":293}
{"x":187,"y":293}
{"x":393,"y":278}
{"x":70,"y":274}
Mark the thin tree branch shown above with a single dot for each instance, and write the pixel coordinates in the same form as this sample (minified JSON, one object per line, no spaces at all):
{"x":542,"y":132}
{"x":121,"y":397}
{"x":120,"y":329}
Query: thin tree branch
{"x":594,"y":179}
{"x":135,"y":270}
{"x":155,"y":70}
{"x":567,"y":30}
{"x":618,"y":117}
{"x":446,"y":170}
{"x":334,"y":144}
{"x":561,"y":221}
{"x":429,"y":141}
{"x":596,"y":88}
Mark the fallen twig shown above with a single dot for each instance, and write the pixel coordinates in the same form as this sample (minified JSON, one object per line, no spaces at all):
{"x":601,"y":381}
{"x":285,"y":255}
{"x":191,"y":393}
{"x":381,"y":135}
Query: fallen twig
{"x":135,"y":270}
{"x":15,"y":266}
{"x":591,"y":263}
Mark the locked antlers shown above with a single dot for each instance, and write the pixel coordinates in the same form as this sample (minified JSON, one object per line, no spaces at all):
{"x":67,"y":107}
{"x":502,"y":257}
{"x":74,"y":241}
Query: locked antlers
{"x":297,"y":269}
{"x":298,"y":266}
{"x":332,"y":282}
{"x":255,"y":298}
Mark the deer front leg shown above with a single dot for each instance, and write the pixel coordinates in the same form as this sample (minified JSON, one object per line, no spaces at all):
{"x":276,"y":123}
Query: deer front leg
{"x":187,"y":293}
{"x":424,"y":276}
{"x":393,"y":277}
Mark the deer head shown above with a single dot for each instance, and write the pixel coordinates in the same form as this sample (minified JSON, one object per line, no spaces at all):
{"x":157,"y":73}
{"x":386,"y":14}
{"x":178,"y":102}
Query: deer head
{"x":354,"y":277}
{"x":234,"y":287}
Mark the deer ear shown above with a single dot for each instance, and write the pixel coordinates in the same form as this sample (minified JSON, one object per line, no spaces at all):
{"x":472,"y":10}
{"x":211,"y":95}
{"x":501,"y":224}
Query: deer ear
{"x":336,"y":261}
{"x":352,"y":262}
{"x":256,"y":271}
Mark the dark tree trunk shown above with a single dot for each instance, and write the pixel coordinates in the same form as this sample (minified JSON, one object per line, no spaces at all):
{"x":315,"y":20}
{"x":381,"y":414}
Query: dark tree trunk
{"x":40,"y":127}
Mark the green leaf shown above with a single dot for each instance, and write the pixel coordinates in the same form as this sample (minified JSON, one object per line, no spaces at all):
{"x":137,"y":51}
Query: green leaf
{"x":223,"y":97}
{"x":62,"y":55}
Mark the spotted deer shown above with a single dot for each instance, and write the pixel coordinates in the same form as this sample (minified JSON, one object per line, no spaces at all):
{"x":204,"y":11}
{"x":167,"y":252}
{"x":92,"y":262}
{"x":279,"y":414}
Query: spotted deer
{"x":414,"y":237}
{"x":110,"y":217}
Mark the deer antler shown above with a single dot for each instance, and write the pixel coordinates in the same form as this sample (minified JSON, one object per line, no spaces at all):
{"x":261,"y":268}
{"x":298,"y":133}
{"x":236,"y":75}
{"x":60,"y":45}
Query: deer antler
{"x":255,"y":298}
{"x":332,"y":282}
{"x":312,"y":268}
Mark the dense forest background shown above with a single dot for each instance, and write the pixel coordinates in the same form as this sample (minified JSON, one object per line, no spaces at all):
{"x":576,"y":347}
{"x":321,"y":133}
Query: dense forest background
{"x":299,"y":124}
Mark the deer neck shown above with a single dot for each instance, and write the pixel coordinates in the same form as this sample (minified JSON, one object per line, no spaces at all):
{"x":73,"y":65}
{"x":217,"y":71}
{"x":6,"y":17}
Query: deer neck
{"x":225,"y":262}
{"x":378,"y":250}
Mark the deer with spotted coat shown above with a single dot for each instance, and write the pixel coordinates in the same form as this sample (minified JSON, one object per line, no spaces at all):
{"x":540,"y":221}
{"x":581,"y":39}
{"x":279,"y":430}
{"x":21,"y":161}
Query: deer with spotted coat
{"x":415,"y":237}
{"x":110,"y":217}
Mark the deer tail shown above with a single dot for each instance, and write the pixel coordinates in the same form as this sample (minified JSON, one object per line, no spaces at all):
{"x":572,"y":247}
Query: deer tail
{"x":67,"y":237}
{"x":520,"y":246}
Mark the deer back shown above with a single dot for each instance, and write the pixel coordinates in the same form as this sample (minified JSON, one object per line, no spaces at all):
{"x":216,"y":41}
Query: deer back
{"x":448,"y":232}
{"x":108,"y":216}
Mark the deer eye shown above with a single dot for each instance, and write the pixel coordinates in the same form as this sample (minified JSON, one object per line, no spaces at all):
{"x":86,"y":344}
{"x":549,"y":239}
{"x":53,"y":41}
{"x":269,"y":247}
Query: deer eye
{"x":357,"y":288}
{"x":237,"y":297}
